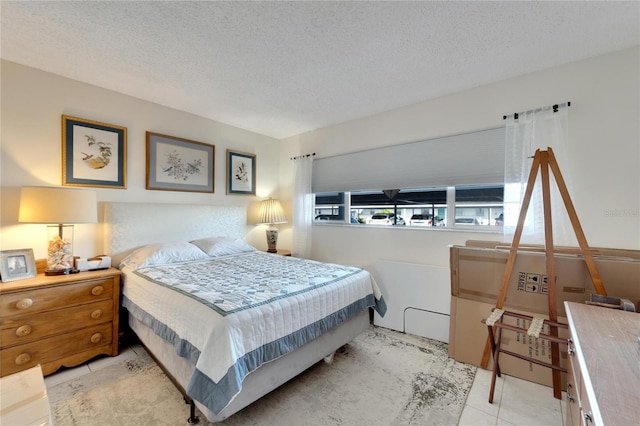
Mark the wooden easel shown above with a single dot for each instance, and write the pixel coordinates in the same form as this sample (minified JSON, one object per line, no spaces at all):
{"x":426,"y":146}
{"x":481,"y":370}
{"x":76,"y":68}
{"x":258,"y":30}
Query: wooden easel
{"x":542,"y":161}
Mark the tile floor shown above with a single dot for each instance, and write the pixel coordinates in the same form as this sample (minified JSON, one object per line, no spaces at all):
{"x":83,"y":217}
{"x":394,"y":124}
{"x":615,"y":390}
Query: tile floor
{"x":66,"y":374}
{"x":516,"y":402}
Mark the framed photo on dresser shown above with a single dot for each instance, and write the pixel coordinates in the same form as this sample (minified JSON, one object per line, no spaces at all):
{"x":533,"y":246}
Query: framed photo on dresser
{"x":17,"y":265}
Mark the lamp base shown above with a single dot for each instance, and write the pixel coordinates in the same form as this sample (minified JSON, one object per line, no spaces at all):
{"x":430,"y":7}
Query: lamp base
{"x":59,"y":249}
{"x":272,"y":239}
{"x":50,"y":272}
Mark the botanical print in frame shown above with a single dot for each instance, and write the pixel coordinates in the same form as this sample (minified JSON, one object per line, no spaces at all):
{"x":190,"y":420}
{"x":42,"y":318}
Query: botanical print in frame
{"x":177,"y":164}
{"x":241,"y":173}
{"x":94,"y":154}
{"x":17,"y":265}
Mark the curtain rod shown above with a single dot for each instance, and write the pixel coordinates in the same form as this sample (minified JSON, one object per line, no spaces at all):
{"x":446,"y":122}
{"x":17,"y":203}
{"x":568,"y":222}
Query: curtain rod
{"x":555,"y":109}
{"x":303,"y":156}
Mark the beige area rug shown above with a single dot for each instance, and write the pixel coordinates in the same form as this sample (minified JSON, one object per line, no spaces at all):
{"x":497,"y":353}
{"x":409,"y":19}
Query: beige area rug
{"x":381,"y":378}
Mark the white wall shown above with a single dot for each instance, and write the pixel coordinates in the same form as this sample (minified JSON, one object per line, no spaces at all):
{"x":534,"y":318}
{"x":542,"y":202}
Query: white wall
{"x":32,"y":105}
{"x":604,"y":138}
{"x":604,"y":143}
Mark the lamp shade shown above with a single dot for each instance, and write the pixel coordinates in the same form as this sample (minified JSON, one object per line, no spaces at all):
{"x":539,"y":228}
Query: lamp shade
{"x":271,"y":212}
{"x":49,"y":205}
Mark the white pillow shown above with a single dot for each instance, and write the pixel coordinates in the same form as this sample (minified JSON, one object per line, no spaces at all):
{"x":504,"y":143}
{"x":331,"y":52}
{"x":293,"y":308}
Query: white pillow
{"x":162,"y":253}
{"x":221,"y":246}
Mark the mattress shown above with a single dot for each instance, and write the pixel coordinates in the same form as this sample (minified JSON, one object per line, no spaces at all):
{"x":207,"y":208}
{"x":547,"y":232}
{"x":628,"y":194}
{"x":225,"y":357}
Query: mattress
{"x":231,"y":314}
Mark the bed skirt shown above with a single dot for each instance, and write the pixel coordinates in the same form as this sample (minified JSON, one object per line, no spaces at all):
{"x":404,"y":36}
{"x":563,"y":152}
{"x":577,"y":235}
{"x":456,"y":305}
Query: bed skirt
{"x":266,"y":378}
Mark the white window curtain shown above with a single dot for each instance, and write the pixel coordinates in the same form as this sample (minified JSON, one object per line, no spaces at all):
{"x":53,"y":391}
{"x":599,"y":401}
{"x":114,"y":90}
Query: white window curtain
{"x":534,"y":130}
{"x":302,"y":206}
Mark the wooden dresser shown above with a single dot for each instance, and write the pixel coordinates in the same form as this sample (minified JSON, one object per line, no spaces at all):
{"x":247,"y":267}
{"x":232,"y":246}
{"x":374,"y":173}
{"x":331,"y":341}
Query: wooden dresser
{"x":603,"y":381}
{"x":58,"y":321}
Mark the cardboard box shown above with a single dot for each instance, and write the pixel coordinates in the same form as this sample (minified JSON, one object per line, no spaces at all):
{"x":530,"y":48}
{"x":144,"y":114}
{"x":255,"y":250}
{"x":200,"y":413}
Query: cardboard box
{"x":599,"y":251}
{"x":476,"y":276}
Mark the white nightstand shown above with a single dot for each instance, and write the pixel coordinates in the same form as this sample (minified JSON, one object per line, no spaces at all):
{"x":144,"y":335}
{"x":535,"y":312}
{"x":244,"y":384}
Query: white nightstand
{"x":24,"y":400}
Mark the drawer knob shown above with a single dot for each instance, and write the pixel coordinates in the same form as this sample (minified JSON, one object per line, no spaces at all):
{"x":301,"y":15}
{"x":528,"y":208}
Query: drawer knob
{"x":96,"y":314}
{"x":588,"y":417}
{"x":24,"y":303}
{"x":97,"y":290}
{"x":571,"y":352}
{"x":23,"y":358}
{"x":570,"y":397}
{"x":23,"y":330}
{"x":96,"y":338}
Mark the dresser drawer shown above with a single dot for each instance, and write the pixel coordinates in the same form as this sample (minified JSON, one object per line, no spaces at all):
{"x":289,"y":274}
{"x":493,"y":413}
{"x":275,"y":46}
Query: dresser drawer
{"x":573,"y":388}
{"x":54,"y":297}
{"x":18,"y":330}
{"x":62,"y":350}
{"x":573,"y":413}
{"x":585,"y":407}
{"x":574,"y":375}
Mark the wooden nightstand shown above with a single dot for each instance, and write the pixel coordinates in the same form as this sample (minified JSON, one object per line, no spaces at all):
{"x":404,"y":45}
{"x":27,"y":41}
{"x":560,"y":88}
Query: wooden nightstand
{"x":58,"y":320}
{"x":283,"y":252}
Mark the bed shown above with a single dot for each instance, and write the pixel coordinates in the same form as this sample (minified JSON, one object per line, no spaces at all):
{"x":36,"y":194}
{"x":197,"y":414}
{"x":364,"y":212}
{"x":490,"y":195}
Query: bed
{"x":226,"y":322}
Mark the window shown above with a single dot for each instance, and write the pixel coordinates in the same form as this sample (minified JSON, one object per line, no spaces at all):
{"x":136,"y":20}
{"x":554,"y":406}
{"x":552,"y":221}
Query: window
{"x":404,"y":204}
{"x":479,"y":206}
{"x":330,"y":206}
{"x":452,"y":181}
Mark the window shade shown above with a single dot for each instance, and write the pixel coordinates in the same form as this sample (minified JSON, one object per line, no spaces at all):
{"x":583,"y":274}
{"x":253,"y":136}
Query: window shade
{"x":466,"y":159}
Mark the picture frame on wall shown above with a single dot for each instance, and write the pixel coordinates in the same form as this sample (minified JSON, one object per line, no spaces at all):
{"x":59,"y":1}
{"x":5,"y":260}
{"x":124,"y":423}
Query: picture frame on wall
{"x":178,"y":164}
{"x":17,"y":265}
{"x":241,"y":173}
{"x":94,"y":154}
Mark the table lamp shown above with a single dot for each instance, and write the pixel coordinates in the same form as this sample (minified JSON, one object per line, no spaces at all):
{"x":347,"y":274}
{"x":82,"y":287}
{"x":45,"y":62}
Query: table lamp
{"x":271,"y":213}
{"x":59,"y":208}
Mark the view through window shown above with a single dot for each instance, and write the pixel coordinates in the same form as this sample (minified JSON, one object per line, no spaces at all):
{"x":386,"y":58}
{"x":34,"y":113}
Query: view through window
{"x":463,"y":206}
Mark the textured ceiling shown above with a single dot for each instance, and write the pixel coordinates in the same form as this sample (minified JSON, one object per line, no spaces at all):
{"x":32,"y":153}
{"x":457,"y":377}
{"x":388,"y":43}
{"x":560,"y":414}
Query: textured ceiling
{"x":284,"y":68}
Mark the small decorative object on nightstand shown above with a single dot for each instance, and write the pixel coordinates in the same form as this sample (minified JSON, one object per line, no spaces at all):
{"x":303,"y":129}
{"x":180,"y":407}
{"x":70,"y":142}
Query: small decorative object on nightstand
{"x":57,"y":321}
{"x":271,"y":213}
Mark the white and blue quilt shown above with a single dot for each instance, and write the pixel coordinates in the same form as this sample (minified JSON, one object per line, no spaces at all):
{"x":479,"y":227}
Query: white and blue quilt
{"x":231,"y":314}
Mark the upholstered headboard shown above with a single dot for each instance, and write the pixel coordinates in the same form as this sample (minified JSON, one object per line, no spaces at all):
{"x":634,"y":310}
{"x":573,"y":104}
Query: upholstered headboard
{"x":128,"y":226}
